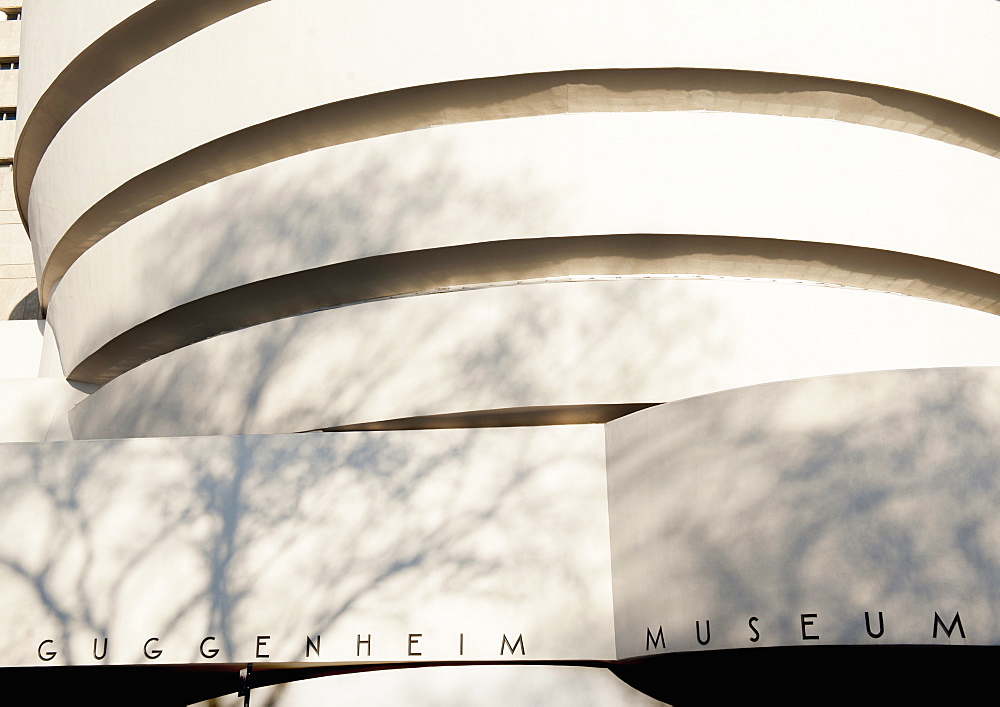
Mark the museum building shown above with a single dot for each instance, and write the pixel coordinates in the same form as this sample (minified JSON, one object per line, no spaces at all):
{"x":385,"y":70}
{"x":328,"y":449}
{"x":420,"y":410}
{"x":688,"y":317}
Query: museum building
{"x":498,"y":352}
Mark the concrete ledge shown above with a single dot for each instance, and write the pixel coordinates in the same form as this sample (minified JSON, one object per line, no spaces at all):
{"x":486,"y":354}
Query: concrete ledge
{"x":636,"y":90}
{"x":504,"y":262}
{"x":529,"y":346}
{"x":151,"y":29}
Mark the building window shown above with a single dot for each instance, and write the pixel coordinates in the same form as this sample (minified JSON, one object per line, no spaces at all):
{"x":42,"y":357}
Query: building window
{"x":13,"y":14}
{"x":8,"y":64}
{"x":8,"y":114}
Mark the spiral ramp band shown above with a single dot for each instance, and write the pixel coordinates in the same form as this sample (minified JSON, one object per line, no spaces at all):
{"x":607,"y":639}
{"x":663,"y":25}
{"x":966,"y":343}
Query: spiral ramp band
{"x":677,"y":286}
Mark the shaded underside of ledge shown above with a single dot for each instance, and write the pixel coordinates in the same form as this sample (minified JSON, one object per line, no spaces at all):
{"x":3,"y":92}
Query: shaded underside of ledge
{"x":514,"y":261}
{"x":535,"y":416}
{"x":857,"y":675}
{"x":524,"y":95}
{"x":147,"y":32}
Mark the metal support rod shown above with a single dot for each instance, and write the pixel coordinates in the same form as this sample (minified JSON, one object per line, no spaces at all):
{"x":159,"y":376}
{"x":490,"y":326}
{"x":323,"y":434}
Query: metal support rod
{"x":245,"y":686}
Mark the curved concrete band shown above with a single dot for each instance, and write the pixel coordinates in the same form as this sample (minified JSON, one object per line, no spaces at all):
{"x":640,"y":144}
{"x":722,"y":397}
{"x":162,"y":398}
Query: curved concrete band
{"x":192,"y":72}
{"x":850,"y":510}
{"x":634,"y":90}
{"x":576,"y":344}
{"x":598,"y":332}
{"x":151,"y":29}
{"x":567,"y":258}
{"x":417,"y":211}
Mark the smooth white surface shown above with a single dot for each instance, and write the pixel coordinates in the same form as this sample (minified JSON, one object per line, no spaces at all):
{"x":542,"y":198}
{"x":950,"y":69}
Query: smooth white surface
{"x":447,"y":532}
{"x":34,"y":409}
{"x":832,"y":496}
{"x":217,"y":82}
{"x":49,"y":365}
{"x":716,"y":174}
{"x":627,"y":341}
{"x":422,"y":531}
{"x":57,"y":32}
{"x":20,"y":349}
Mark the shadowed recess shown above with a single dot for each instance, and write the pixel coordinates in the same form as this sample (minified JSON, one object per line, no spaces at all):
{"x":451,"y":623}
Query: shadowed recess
{"x":856,"y":675}
{"x":580,"y":91}
{"x":26,"y":308}
{"x":859,"y":675}
{"x":147,"y":32}
{"x":506,"y":417}
{"x":184,"y":684}
{"x":509,"y":262}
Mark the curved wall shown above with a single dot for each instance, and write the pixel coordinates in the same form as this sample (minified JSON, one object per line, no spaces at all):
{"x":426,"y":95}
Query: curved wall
{"x":234,"y":537}
{"x":253,"y":218}
{"x":577,"y":175}
{"x":529,"y":346}
{"x":230,"y":97}
{"x":856,"y":510}
{"x":59,"y":32}
{"x":87,"y":63}
{"x":298,"y":185}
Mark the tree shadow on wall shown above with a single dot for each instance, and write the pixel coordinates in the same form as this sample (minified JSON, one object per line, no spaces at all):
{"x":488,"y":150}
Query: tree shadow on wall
{"x":328,"y":215}
{"x":768,"y":510}
{"x":290,"y":537}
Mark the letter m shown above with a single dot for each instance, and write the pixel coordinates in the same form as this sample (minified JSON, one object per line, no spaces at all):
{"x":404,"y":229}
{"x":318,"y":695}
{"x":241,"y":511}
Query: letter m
{"x":512,"y":648}
{"x":657,"y":641}
{"x":957,"y":621}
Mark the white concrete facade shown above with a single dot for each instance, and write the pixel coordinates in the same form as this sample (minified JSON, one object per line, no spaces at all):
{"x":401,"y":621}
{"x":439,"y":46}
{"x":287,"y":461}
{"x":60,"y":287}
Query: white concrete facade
{"x":533,"y":224}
